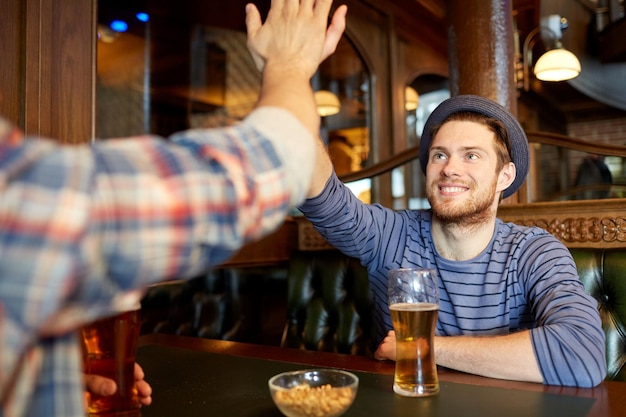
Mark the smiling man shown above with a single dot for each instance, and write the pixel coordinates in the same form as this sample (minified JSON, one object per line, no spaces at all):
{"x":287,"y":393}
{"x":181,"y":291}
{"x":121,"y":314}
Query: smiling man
{"x":511,"y":303}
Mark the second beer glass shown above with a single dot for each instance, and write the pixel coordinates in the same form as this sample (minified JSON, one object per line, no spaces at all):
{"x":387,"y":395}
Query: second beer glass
{"x":109,"y":347}
{"x":414,"y":304}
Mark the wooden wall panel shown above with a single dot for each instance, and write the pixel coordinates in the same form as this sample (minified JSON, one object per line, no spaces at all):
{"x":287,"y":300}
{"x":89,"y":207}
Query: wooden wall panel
{"x":10,"y":45}
{"x":52,"y":50}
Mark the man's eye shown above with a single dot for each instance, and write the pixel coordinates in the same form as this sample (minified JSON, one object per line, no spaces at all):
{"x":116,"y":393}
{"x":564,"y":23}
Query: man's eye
{"x":439,"y":156}
{"x":472,"y":156}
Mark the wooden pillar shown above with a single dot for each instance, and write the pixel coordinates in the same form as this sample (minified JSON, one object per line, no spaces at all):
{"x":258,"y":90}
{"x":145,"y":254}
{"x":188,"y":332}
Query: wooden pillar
{"x":481,"y":53}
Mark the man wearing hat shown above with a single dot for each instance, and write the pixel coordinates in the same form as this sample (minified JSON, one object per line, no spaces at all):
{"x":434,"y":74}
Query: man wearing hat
{"x":511,"y":303}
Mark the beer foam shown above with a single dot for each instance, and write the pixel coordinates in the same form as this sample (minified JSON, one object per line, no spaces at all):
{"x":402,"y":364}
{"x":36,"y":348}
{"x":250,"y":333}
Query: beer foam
{"x":414,"y":306}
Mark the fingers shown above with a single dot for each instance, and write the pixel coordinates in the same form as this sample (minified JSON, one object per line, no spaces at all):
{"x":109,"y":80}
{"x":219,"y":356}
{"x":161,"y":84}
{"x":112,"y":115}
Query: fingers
{"x":387,"y":349}
{"x":290,"y":7}
{"x":295,"y":35}
{"x":253,"y":20}
{"x":100,"y":385}
{"x":253,"y":26}
{"x":334,"y":31}
{"x":144,"y":392}
{"x":139,"y":374}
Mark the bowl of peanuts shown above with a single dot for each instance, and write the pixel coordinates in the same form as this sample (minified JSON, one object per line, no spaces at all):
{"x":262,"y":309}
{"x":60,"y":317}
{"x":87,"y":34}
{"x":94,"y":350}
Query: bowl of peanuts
{"x":314,"y":392}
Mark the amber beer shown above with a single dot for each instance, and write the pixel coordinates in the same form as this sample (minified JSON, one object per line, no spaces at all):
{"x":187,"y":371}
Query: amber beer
{"x":416,"y":369}
{"x":109,"y":349}
{"x":413,"y":306}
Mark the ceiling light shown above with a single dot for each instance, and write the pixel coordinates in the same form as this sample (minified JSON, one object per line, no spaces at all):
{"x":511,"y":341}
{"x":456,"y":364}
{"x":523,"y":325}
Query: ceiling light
{"x":327,"y":103}
{"x":411,"y":99}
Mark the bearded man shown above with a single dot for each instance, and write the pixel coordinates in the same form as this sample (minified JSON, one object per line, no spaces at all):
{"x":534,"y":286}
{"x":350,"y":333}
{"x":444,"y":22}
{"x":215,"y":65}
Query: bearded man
{"x":511,"y":303}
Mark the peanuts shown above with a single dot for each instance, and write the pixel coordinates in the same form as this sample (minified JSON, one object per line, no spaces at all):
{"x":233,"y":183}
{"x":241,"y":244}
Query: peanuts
{"x":321,"y":401}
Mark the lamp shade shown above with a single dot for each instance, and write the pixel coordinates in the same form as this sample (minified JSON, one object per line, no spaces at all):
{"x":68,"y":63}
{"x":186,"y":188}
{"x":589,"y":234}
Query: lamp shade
{"x":557,"y":65}
{"x":327,"y":103}
{"x":411,"y":99}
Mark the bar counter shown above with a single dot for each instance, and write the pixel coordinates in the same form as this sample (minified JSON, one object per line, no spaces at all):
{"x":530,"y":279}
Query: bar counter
{"x":193,"y":377}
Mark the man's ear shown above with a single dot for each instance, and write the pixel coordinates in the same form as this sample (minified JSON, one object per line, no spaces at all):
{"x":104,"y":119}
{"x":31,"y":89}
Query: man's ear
{"x":506,"y":176}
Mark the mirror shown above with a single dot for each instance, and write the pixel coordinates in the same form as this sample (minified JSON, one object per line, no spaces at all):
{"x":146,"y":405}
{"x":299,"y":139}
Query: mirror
{"x":160,"y":69}
{"x":346,"y":131}
{"x":160,"y":75}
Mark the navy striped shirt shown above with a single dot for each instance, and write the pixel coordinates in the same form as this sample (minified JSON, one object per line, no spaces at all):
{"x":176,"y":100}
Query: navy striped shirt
{"x":524,"y":279}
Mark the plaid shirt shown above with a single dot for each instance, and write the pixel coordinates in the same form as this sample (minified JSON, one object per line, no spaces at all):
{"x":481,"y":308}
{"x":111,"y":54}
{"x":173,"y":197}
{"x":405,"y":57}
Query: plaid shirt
{"x":81,"y":227}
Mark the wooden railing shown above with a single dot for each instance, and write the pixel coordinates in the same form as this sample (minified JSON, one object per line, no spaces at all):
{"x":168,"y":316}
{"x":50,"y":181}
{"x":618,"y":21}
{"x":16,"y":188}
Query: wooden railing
{"x":545,"y":138}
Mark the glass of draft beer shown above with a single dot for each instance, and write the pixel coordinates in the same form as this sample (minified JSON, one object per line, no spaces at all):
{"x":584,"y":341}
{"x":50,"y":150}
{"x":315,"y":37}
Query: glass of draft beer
{"x":109,"y":349}
{"x":414,"y":305}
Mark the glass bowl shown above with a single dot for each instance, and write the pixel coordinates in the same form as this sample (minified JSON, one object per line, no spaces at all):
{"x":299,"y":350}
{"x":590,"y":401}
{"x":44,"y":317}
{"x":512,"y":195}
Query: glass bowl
{"x":314,"y":392}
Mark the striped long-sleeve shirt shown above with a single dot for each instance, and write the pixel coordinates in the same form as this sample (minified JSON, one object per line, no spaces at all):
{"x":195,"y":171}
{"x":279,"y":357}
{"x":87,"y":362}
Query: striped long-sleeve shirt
{"x":82,"y":226}
{"x":524,"y":279}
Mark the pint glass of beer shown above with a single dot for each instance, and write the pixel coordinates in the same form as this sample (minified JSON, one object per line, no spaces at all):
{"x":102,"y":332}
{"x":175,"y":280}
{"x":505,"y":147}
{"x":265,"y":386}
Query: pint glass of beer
{"x":414,"y":304}
{"x":109,"y":349}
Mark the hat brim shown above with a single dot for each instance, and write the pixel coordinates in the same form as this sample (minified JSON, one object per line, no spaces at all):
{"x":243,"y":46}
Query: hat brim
{"x":476,"y":104}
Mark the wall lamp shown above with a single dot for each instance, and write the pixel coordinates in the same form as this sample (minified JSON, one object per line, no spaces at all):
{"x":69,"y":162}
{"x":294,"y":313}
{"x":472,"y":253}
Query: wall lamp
{"x":411,"y":99}
{"x":327,"y":103}
{"x":557,"y":64}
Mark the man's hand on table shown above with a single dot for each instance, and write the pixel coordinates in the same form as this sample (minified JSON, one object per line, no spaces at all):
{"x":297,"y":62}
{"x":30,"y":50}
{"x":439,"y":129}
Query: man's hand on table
{"x":387,"y":348}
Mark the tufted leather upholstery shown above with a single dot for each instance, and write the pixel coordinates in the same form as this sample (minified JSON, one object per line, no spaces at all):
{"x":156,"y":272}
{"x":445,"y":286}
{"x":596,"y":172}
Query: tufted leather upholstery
{"x":208,"y":306}
{"x":328,"y":304}
{"x":243,"y":304}
{"x":603,"y":273}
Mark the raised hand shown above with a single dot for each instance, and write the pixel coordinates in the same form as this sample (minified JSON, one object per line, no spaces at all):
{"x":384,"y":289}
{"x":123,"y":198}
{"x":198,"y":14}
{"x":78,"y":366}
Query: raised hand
{"x":295,"y":33}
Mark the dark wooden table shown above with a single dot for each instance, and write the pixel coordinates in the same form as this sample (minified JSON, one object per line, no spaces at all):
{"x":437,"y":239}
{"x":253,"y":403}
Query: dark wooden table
{"x":200,"y":377}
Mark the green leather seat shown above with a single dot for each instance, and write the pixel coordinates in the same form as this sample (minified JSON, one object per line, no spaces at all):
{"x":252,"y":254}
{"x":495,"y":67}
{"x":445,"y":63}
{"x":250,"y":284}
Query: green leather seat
{"x":603,"y":273}
{"x":328,"y":304}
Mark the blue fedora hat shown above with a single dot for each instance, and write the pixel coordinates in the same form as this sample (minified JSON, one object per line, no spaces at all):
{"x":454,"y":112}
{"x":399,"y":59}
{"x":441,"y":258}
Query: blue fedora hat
{"x":477,"y":104}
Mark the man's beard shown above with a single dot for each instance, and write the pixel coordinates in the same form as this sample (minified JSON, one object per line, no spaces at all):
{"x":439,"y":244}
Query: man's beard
{"x":473,"y":212}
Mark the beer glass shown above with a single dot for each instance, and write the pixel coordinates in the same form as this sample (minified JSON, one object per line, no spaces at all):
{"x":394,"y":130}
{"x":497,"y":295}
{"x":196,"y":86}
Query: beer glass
{"x":414,"y":304}
{"x":109,"y":349}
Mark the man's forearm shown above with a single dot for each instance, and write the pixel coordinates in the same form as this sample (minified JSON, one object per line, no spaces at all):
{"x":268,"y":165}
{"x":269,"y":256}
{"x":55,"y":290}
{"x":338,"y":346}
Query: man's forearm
{"x":322,"y":170}
{"x":291,"y":90}
{"x":505,"y":357}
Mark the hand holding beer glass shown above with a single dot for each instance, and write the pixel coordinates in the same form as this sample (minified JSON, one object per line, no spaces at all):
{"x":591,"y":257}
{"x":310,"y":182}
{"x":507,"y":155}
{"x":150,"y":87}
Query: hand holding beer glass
{"x":414,"y":304}
{"x":109,"y":350}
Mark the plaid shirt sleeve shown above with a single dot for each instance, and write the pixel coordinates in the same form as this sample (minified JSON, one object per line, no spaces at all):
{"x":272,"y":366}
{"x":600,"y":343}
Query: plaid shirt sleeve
{"x":82,"y":225}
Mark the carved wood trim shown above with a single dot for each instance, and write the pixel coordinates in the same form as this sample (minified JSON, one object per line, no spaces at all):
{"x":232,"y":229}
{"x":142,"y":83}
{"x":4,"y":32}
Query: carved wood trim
{"x":309,"y":239}
{"x":578,"y":224}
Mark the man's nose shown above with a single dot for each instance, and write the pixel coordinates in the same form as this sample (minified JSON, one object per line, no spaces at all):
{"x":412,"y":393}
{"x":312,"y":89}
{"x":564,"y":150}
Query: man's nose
{"x":451,"y":167}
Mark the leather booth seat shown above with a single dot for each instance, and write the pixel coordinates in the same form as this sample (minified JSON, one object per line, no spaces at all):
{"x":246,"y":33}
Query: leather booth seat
{"x":243,"y":304}
{"x":329,"y":304}
{"x":207,"y":306}
{"x":603,"y":273}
